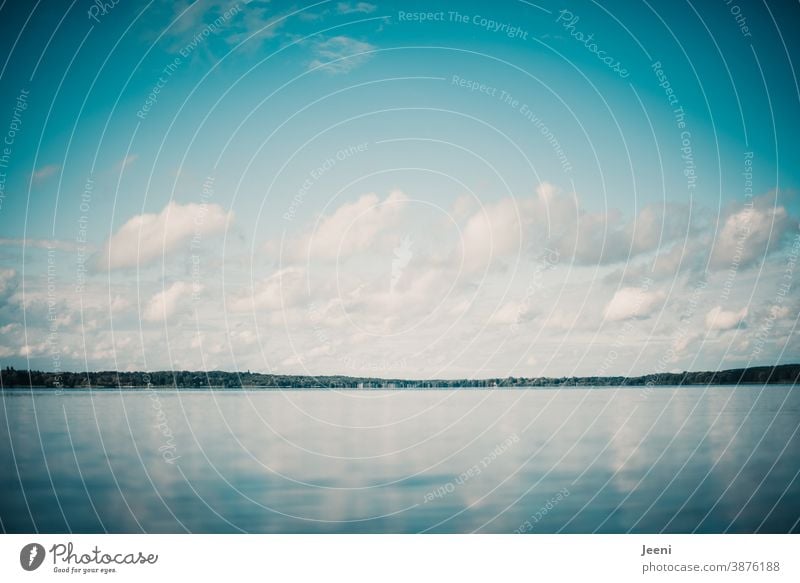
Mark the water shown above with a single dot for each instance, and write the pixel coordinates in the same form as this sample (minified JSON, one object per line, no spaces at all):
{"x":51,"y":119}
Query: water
{"x":719,"y":459}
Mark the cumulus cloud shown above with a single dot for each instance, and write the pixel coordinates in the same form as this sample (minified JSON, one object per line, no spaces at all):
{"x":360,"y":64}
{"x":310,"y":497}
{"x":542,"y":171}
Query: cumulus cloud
{"x":556,"y":221}
{"x":749,"y":233}
{"x":8,"y":283}
{"x":340,"y":54}
{"x":366,"y":291}
{"x":283,"y":289}
{"x":779,"y":312}
{"x":352,"y":228}
{"x":378,"y":307}
{"x":147,"y":237}
{"x":678,"y":258}
{"x":719,"y":319}
{"x":682,"y":342}
{"x":598,"y":238}
{"x":167,"y":302}
{"x":119,"y":304}
{"x":500,"y":230}
{"x":492,"y":232}
{"x":511,"y":313}
{"x":633,"y":302}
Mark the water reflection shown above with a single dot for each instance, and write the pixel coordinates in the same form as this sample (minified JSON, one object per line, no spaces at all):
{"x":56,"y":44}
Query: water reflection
{"x":670,"y":459}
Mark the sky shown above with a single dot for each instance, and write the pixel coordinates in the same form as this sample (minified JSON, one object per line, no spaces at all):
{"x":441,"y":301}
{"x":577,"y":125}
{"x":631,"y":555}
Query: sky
{"x":399,"y":189}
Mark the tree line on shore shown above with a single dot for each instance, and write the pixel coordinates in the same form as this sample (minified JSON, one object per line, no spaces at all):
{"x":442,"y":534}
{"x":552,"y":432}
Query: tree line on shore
{"x":11,"y":377}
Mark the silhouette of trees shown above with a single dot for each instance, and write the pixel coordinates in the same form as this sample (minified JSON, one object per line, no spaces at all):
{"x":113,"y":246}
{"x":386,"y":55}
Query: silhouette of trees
{"x":11,"y":377}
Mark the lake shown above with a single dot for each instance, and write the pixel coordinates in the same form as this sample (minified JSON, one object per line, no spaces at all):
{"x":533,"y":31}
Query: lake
{"x":573,"y":460}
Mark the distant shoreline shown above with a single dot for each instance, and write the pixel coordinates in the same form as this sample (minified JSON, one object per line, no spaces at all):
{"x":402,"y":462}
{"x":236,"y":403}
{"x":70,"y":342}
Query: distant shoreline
{"x":13,"y":378}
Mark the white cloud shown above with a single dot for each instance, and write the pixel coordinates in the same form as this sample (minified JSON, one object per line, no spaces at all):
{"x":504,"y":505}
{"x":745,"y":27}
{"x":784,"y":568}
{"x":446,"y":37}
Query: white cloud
{"x":746,"y":235}
{"x":27,"y":350}
{"x":355,"y":7}
{"x":463,"y":206}
{"x":44,"y":173}
{"x":509,"y":227}
{"x":491,"y":233}
{"x":254,"y":25}
{"x":511,"y":313}
{"x":555,"y":220}
{"x":168,"y":302}
{"x":633,"y":302}
{"x":119,"y":304}
{"x":719,"y":319}
{"x":125,"y":162}
{"x":779,"y":312}
{"x":750,"y":233}
{"x":352,"y":228}
{"x":8,"y":282}
{"x":283,"y":289}
{"x":146,"y":237}
{"x":559,"y":319}
{"x":340,"y":54}
{"x":458,"y":307}
{"x":190,"y":17}
{"x":682,"y":342}
{"x":600,"y":238}
{"x":56,"y":244}
{"x":380,"y":308}
{"x":368,"y":296}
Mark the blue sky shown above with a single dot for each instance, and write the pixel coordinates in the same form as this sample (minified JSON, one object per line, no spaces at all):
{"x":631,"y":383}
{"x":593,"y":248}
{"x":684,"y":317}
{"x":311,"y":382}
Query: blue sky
{"x":349,"y":187}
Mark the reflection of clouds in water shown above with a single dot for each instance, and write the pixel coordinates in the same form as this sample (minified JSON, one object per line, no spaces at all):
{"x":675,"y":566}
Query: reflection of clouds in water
{"x":744,"y":450}
{"x":257,"y":461}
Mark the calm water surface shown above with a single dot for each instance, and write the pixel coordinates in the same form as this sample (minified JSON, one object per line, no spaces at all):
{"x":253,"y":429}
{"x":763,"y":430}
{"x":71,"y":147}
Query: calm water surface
{"x":538,"y":460}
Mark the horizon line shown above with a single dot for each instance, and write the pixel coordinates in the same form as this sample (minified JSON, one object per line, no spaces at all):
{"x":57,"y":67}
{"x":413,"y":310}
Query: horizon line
{"x":386,"y":379}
